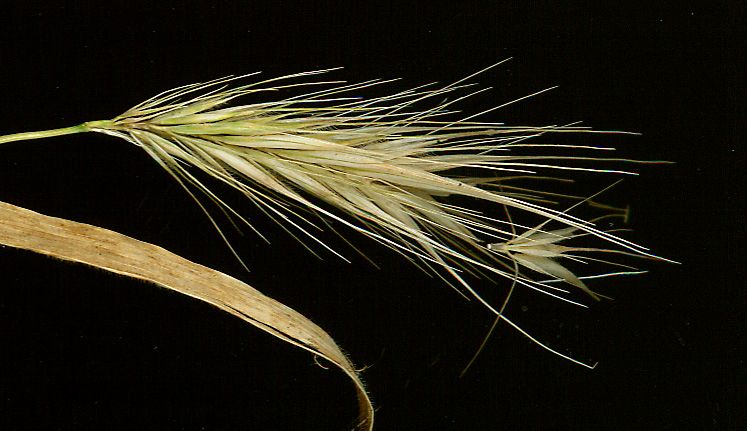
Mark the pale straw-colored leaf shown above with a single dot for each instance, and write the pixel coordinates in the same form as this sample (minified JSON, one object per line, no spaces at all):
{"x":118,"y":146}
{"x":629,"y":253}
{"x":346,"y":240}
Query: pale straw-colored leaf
{"x":120,"y":254}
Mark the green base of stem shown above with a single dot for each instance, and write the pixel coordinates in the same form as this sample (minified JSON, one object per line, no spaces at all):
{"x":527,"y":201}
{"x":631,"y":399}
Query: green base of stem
{"x":80,"y":128}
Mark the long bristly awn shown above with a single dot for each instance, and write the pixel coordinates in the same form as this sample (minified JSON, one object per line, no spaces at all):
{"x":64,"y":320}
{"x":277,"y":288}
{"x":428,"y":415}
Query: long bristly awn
{"x":385,"y":167}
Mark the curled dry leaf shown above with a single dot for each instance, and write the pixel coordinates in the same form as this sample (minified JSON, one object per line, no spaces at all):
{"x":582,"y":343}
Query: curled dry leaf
{"x":120,"y":254}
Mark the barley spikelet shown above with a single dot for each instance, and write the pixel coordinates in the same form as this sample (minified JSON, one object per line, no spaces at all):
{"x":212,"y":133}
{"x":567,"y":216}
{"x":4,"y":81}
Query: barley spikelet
{"x":385,"y":167}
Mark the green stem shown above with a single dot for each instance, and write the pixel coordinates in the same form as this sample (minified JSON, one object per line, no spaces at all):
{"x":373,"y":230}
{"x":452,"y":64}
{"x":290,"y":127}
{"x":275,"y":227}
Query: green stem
{"x":80,"y":128}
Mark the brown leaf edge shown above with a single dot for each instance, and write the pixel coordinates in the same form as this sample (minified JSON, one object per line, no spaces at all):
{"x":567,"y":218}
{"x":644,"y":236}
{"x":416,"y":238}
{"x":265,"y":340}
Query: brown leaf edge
{"x":120,"y":254}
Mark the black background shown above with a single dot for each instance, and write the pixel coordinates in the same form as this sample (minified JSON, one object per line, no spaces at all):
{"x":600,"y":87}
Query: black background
{"x":81,"y":349}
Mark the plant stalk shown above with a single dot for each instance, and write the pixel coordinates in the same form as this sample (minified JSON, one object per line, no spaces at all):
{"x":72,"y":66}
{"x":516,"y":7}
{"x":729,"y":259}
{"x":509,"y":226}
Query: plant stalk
{"x":80,"y":128}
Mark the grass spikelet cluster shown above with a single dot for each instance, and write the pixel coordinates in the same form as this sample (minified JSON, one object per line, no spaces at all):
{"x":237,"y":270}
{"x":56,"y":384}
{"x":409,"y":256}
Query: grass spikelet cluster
{"x":386,"y":167}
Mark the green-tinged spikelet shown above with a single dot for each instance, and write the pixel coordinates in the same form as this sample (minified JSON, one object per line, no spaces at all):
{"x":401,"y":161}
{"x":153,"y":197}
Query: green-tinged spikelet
{"x":385,"y":164}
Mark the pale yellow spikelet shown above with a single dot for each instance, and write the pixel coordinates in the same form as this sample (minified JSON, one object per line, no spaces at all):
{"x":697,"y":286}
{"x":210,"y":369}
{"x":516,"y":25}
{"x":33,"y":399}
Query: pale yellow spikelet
{"x":385,"y":167}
